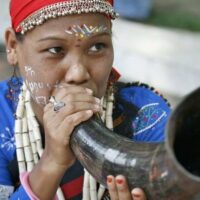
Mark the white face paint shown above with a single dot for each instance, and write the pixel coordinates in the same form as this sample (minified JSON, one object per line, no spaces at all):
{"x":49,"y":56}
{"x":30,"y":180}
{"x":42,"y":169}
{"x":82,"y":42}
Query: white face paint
{"x":42,"y":100}
{"x":85,"y":30}
{"x":29,"y":71}
{"x":36,"y":87}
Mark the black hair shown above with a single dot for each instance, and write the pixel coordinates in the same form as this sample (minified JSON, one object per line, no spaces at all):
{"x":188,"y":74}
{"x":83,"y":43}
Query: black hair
{"x":19,"y":36}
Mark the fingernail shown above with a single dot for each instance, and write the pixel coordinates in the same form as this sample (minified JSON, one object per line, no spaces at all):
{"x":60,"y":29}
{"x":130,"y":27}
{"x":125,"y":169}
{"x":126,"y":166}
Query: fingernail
{"x":88,"y":90}
{"x":8,"y":50}
{"x":97,"y":107}
{"x":89,"y":112}
{"x":109,"y":179}
{"x":136,"y":195}
{"x":119,"y":181}
{"x":97,"y":100}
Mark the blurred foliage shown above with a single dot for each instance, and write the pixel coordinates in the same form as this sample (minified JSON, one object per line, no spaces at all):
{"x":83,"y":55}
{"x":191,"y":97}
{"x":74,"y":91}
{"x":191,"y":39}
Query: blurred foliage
{"x":183,"y":14}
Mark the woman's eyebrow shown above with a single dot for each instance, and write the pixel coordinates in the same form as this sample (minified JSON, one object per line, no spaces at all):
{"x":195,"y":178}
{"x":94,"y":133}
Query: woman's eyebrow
{"x":109,"y":33}
{"x":52,"y":38}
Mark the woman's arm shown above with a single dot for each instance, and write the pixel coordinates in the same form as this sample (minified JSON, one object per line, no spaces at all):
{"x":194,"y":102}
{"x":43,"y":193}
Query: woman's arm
{"x":58,"y":126}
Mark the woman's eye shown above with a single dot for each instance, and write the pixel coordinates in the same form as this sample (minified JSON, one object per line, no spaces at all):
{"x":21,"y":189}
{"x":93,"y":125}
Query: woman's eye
{"x":56,"y":50}
{"x":97,"y":47}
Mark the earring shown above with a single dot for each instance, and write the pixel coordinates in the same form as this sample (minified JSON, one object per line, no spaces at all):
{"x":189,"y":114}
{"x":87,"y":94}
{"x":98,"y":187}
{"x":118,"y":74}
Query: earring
{"x":14,"y":86}
{"x":8,"y":51}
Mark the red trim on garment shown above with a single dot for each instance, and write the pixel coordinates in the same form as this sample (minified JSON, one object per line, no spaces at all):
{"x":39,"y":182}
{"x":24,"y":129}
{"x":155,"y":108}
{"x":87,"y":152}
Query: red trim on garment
{"x":114,"y":76}
{"x":73,"y":188}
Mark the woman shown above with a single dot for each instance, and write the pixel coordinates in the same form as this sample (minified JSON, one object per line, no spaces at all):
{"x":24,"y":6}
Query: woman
{"x":64,"y":53}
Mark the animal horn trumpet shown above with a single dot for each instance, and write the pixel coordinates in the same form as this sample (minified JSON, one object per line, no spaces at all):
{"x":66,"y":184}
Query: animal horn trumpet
{"x":166,"y":171}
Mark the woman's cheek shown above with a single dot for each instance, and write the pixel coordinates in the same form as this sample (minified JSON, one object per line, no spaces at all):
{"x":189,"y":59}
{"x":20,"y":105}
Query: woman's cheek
{"x":102,"y":88}
{"x":39,"y":90}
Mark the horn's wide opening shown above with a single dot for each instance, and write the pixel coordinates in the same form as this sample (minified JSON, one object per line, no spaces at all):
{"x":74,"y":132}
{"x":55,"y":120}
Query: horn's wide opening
{"x":187,"y":139}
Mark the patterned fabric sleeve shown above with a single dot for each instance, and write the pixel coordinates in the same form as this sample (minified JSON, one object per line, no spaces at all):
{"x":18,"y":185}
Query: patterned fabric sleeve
{"x":7,"y":149}
{"x":6,"y":187}
{"x":141,"y":113}
{"x":20,"y":194}
{"x":6,"y":184}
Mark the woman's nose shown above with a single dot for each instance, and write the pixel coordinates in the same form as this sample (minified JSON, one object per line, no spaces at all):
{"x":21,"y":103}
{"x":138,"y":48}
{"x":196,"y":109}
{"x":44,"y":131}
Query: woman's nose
{"x":77,"y":74}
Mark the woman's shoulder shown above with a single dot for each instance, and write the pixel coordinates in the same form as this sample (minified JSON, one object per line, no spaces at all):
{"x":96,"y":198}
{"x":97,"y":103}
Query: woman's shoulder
{"x":5,"y":99}
{"x":9,"y":92}
{"x":141,"y":111}
{"x":140,"y":94}
{"x":3,"y":86}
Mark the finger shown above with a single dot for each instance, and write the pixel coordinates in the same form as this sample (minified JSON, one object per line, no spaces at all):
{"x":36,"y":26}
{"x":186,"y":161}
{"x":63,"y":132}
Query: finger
{"x":77,"y":107}
{"x":79,"y":97}
{"x":62,"y":92}
{"x":138,"y":194}
{"x":74,"y":97}
{"x":49,"y":115}
{"x":122,"y":188}
{"x":55,"y":118}
{"x":74,"y":103}
{"x":112,"y":188}
{"x":64,"y":129}
{"x":47,"y":107}
{"x":71,"y":121}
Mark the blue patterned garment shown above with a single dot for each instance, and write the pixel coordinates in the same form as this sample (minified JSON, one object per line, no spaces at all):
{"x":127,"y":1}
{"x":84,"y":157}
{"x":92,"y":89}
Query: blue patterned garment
{"x":7,"y":147}
{"x":146,"y":124}
{"x":143,"y":113}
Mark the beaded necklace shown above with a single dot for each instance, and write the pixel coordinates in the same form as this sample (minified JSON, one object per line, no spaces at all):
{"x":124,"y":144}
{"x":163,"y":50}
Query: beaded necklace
{"x":29,"y":142}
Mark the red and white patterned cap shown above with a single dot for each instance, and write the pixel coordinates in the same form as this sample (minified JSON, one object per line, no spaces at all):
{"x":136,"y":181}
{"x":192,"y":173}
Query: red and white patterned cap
{"x":27,"y":14}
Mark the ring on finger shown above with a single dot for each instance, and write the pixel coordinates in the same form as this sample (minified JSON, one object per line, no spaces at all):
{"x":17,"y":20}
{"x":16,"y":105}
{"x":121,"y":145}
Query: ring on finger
{"x":57,"y":105}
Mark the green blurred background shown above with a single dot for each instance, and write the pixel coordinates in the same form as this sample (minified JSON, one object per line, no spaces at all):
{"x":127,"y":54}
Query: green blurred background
{"x":183,"y":14}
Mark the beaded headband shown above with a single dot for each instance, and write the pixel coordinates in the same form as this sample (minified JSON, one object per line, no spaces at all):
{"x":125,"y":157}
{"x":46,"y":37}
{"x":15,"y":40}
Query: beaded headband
{"x":36,"y":14}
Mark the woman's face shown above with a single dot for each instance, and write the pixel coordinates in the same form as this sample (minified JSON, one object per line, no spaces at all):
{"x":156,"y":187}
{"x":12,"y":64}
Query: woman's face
{"x":72,"y":50}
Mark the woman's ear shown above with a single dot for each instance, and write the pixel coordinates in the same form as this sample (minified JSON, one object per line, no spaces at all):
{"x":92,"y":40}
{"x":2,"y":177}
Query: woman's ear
{"x":11,"y":45}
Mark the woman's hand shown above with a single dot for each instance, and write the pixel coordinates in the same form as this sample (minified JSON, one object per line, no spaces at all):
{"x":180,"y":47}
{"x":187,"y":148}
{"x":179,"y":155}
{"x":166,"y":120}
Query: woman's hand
{"x":80,"y":105}
{"x":119,"y":190}
{"x":57,"y":157}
